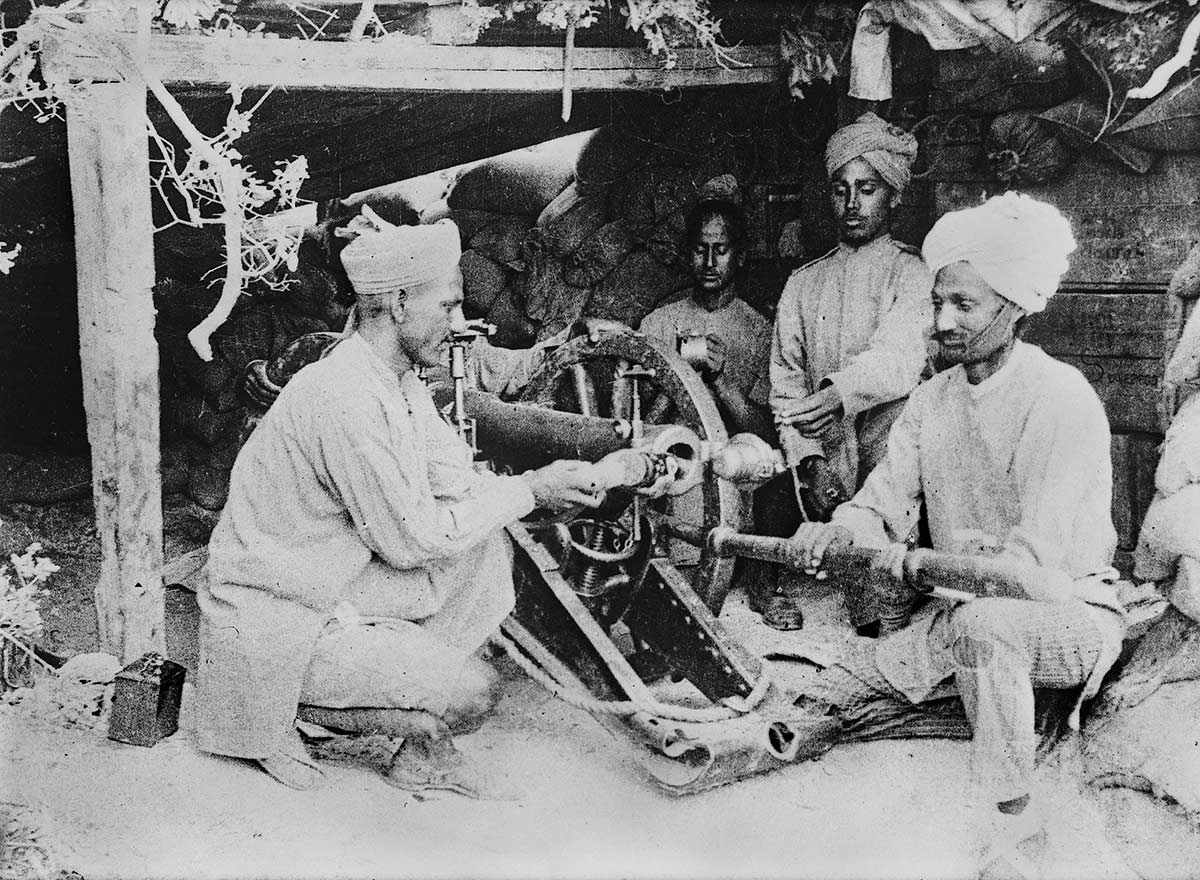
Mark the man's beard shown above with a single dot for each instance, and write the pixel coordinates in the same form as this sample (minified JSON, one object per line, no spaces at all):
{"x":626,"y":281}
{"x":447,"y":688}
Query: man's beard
{"x":955,"y":348}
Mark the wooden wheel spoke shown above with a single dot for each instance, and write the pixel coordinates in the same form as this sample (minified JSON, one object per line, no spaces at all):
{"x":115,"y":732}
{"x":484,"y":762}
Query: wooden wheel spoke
{"x":660,"y":405}
{"x":585,"y":390}
{"x":621,"y":393}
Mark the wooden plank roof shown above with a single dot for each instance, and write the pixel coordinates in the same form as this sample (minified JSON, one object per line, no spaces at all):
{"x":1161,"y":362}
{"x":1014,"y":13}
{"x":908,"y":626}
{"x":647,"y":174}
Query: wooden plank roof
{"x":398,"y":65}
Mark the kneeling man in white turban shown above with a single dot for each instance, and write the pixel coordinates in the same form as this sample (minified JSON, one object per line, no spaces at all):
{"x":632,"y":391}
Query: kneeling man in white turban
{"x":360,"y":559}
{"x":1009,"y":451}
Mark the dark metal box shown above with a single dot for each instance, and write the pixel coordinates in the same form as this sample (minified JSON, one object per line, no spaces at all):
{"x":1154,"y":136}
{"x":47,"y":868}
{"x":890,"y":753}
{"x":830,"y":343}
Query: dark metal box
{"x":146,"y":701}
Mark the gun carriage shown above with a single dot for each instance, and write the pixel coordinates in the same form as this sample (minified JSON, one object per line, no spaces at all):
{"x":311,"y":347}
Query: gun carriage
{"x":617,"y":608}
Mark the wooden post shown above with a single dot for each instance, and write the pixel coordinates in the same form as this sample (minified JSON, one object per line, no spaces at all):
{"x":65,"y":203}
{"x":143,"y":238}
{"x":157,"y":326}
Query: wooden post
{"x":114,"y":254}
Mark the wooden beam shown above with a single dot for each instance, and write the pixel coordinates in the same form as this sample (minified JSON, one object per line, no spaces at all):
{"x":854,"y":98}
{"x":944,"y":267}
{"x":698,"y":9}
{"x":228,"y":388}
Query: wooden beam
{"x":107,"y":143}
{"x":392,"y":65}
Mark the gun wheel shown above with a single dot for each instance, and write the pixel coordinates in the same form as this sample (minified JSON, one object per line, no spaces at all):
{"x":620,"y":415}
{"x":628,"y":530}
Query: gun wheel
{"x":584,"y":377}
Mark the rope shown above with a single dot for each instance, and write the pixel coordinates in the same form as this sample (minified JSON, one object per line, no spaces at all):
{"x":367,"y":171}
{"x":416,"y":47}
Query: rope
{"x":733,"y":706}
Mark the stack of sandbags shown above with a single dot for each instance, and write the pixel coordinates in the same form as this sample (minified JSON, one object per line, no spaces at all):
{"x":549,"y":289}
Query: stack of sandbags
{"x":545,"y":243}
{"x":204,"y":411}
{"x":496,"y":203}
{"x":1169,"y":542}
{"x":492,"y":260}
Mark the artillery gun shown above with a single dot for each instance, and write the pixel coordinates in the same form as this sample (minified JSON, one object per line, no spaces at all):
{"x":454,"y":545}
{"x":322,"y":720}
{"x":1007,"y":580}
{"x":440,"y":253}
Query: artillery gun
{"x":617,"y":608}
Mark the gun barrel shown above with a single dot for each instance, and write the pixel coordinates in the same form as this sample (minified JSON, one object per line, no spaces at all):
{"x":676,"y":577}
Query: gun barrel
{"x":536,"y":433}
{"x":948,"y":575}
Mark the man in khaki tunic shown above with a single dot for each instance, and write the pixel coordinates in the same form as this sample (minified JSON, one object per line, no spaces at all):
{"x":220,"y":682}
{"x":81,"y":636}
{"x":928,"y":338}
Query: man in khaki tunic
{"x":850,"y":331}
{"x":360,"y":559}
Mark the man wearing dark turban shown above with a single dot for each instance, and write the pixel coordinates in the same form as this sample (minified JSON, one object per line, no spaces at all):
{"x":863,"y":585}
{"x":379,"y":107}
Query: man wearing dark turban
{"x":849,"y":342}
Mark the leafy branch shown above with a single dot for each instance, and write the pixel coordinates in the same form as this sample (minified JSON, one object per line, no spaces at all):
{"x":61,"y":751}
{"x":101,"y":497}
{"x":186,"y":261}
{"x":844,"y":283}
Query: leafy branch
{"x":211,"y":181}
{"x":665,"y":25}
{"x":20,"y":614}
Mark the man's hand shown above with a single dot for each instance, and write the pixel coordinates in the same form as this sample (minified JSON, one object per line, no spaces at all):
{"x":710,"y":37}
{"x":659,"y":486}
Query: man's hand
{"x":564,"y":484}
{"x":817,"y":539}
{"x":714,"y":356}
{"x":257,"y":386}
{"x":825,"y":489}
{"x":816,"y":413}
{"x":594,"y":328}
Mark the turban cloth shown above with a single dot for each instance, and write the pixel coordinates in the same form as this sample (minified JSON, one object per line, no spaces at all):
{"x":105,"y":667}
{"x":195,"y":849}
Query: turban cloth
{"x":383,"y":258}
{"x":889,"y":150}
{"x":1017,"y":244}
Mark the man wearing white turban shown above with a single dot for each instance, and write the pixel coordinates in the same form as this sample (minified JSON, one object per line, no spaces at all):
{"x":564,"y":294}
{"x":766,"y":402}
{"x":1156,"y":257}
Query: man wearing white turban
{"x":849,"y":342}
{"x":1008,"y":449}
{"x":360,"y":559}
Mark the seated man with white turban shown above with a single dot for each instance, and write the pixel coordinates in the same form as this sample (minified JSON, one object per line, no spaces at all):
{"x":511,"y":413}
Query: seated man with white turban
{"x":849,"y":342}
{"x":360,"y":559}
{"x":1009,"y":451}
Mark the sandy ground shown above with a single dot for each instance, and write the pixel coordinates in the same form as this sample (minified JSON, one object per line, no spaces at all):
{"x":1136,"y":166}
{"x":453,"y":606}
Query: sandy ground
{"x":887,"y":809}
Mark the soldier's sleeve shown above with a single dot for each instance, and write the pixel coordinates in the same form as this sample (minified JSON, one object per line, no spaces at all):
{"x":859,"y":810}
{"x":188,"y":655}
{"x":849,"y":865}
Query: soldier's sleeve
{"x":790,"y":382}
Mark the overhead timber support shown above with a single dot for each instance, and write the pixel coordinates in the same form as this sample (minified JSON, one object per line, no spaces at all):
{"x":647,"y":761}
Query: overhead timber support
{"x":108,"y":147}
{"x":388,"y":66}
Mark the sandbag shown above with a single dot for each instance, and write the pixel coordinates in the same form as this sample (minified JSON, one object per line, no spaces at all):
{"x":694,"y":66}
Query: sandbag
{"x":1170,"y":529}
{"x":470,"y":223}
{"x":513,"y":329}
{"x":288,"y":326}
{"x":667,"y":242}
{"x":599,"y":254}
{"x":483,"y":280}
{"x":189,"y":255}
{"x":191,"y":414}
{"x":523,"y":182}
{"x":174,"y":468}
{"x":208,"y":486}
{"x":571,"y":219}
{"x":315,"y":296}
{"x":606,"y":157}
{"x":646,"y":197}
{"x":245,"y":337}
{"x":502,"y":240}
{"x":1179,"y":464}
{"x":550,"y":301}
{"x":183,"y":304}
{"x":566,"y":309}
{"x":1141,"y":732}
{"x":1184,"y":365}
{"x":180,"y":362}
{"x":634,"y":288}
{"x":1021,"y":151}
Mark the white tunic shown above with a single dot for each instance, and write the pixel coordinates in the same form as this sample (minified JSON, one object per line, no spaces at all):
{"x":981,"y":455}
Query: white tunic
{"x":856,"y":318}
{"x":1020,"y":462}
{"x":351,"y":489}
